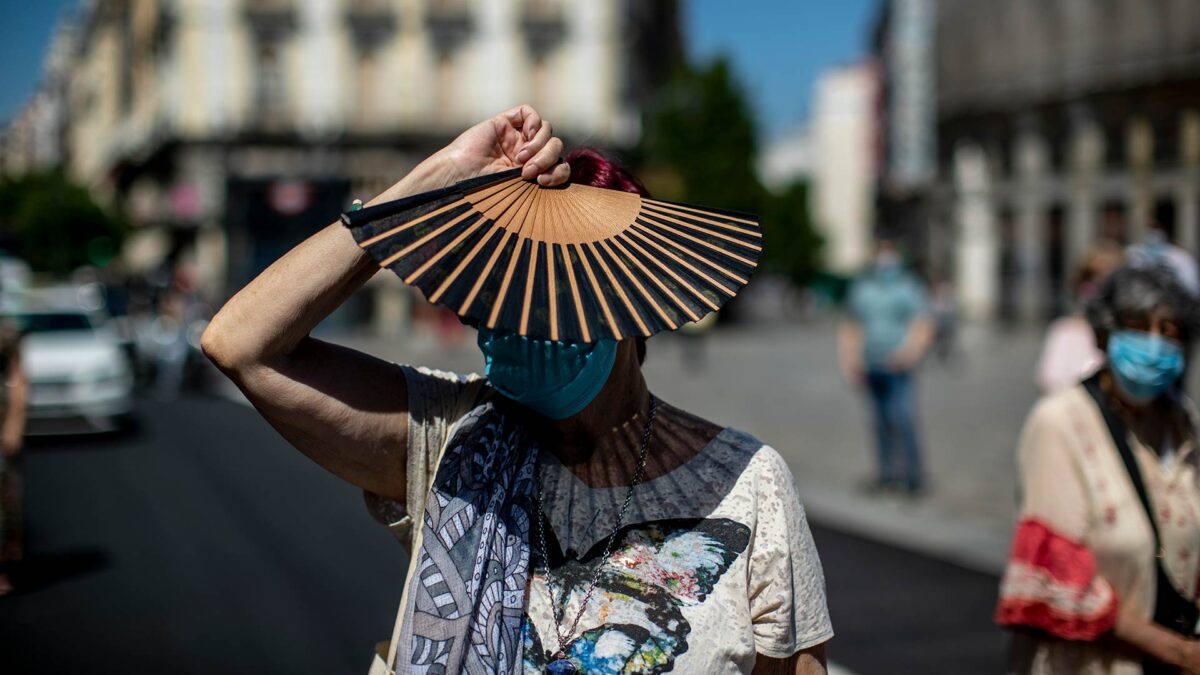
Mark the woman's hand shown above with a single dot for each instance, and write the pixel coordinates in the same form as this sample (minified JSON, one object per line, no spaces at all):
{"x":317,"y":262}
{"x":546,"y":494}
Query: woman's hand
{"x":1157,"y":642}
{"x":1189,"y":659}
{"x":515,"y":138}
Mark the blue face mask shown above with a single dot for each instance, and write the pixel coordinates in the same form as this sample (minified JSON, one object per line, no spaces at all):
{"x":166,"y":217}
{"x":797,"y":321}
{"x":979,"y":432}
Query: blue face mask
{"x":888,"y":265}
{"x":554,"y":379}
{"x":1144,"y":365}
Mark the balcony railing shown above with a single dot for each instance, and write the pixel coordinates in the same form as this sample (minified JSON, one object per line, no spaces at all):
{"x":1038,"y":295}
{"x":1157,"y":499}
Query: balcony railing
{"x":271,"y":20}
{"x":372,"y":22}
{"x":544,"y":25}
{"x":450,"y":24}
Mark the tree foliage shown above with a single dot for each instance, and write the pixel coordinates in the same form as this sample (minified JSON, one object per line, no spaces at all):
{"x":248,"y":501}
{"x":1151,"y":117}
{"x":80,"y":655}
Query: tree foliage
{"x":55,"y":225}
{"x":793,"y":245}
{"x":700,"y":145}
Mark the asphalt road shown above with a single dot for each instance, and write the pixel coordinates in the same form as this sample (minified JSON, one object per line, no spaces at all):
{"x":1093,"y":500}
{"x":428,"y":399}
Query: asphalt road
{"x":201,"y":543}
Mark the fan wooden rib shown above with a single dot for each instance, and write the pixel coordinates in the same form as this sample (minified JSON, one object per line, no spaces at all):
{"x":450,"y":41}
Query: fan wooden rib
{"x":574,"y":263}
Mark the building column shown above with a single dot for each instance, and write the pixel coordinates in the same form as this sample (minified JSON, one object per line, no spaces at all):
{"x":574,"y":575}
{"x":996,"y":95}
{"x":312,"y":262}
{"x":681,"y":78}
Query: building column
{"x":1083,"y":209}
{"x":1031,"y":153}
{"x":1188,"y":207}
{"x":1139,"y":145}
{"x":211,"y":260}
{"x":977,"y":256}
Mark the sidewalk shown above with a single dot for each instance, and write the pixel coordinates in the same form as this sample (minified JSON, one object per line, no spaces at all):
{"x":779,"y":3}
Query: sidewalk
{"x":781,"y":383}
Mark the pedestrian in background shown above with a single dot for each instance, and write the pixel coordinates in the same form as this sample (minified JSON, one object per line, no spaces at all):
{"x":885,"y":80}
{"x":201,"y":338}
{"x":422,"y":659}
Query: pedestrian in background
{"x":12,"y":475}
{"x":944,"y":310}
{"x":561,"y":518}
{"x":1069,"y":352}
{"x":1105,"y":562}
{"x":886,"y":331}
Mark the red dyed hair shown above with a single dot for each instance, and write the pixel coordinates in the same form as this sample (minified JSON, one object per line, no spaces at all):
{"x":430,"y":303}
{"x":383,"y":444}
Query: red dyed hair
{"x":590,"y":167}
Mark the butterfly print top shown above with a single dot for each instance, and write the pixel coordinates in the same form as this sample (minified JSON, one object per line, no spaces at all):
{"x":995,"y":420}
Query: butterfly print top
{"x":715,"y":564}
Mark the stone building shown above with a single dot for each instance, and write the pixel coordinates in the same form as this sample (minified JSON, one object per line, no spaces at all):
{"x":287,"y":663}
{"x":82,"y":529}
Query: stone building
{"x":34,"y":139}
{"x":229,"y":129}
{"x":845,"y":163}
{"x":1058,"y":124}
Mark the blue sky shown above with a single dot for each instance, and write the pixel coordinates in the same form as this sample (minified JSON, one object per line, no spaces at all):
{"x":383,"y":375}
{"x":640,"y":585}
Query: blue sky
{"x":777,"y":46}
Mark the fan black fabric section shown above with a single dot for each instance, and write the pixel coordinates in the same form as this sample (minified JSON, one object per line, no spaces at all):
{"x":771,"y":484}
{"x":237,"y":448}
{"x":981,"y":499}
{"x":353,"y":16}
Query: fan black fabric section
{"x":367,"y":220}
{"x":672,"y":264}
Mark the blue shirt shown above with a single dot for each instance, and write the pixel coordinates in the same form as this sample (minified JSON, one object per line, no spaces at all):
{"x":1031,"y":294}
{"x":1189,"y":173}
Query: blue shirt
{"x":885,"y":306}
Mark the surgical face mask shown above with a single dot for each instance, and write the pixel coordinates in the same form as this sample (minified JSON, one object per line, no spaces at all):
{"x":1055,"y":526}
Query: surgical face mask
{"x":554,"y":379}
{"x":887,"y":263}
{"x":1144,"y":365}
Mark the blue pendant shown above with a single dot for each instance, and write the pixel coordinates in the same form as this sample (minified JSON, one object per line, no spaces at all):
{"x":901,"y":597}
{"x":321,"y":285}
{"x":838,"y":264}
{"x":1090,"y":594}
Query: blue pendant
{"x":561,"y":666}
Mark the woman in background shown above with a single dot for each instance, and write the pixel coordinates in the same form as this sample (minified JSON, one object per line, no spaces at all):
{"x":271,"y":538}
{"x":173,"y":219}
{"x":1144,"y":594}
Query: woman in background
{"x":1103,"y":575}
{"x":12,"y":430}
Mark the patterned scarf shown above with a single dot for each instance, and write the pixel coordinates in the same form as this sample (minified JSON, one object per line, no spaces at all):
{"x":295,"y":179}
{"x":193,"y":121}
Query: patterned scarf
{"x":467,"y":596}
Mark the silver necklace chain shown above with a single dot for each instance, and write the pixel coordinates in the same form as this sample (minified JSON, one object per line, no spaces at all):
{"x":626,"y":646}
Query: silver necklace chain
{"x":559,"y":607}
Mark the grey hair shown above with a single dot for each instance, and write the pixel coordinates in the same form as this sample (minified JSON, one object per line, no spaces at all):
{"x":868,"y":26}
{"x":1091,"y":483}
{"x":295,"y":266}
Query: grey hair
{"x":1139,"y":290}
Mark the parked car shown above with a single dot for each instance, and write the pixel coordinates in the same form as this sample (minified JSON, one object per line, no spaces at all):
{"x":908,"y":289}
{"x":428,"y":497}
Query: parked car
{"x":79,"y":374}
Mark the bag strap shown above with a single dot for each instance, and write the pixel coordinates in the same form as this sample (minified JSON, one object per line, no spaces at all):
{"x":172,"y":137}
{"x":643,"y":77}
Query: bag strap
{"x":1120,"y":437}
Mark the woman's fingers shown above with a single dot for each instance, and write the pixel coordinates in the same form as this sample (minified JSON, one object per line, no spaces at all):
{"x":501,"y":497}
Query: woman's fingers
{"x":533,"y":152}
{"x":525,"y":119}
{"x":560,"y":174}
{"x":541,"y":151}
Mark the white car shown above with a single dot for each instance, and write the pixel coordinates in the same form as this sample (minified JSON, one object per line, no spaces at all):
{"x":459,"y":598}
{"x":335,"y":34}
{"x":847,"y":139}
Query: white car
{"x":79,"y":375}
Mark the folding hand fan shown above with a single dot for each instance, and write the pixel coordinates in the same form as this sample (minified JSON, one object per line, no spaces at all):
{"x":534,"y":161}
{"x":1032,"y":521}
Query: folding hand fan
{"x":572,"y":263}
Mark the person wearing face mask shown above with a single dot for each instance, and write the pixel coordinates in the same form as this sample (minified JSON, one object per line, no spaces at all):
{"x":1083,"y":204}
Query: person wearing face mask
{"x":561,"y":518}
{"x":884,"y":335}
{"x":1105,"y":564}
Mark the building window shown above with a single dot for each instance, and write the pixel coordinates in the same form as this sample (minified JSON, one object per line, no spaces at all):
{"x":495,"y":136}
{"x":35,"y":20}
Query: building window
{"x":445,"y":87}
{"x":449,"y":23}
{"x":372,"y":25}
{"x":367,"y":103}
{"x":269,"y":91}
{"x":544,"y":26}
{"x":272,"y":22}
{"x":1167,"y":137}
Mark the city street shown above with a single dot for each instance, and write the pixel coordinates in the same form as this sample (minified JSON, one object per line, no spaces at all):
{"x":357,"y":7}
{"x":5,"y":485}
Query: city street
{"x":202,"y":543}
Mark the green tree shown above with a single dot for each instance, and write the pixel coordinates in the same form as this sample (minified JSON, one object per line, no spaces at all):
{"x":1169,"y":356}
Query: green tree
{"x":55,"y":225}
{"x":700,"y":145}
{"x":793,"y":244}
{"x":700,"y":140}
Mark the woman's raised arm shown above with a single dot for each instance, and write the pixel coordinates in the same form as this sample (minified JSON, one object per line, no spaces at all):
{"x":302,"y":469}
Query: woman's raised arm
{"x":344,"y":409}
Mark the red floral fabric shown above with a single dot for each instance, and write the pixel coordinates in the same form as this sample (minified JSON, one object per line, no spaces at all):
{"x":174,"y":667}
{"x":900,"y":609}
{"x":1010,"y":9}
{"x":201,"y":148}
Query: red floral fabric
{"x":1051,"y":585}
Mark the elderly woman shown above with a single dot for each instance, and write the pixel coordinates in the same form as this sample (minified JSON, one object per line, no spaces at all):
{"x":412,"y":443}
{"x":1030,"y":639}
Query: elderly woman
{"x":654,"y":540}
{"x":1106,"y":557}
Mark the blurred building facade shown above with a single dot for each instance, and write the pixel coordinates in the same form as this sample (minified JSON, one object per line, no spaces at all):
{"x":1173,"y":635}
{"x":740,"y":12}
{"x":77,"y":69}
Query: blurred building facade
{"x":1058,"y":125}
{"x":787,"y":159}
{"x":230,"y":129}
{"x":845,"y":163}
{"x":34,"y":139}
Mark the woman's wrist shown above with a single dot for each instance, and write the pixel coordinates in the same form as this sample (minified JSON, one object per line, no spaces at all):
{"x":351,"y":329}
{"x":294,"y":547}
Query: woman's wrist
{"x":434,"y":172}
{"x":1177,"y":651}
